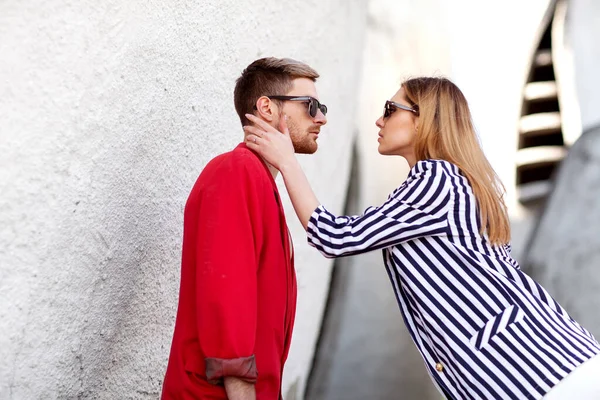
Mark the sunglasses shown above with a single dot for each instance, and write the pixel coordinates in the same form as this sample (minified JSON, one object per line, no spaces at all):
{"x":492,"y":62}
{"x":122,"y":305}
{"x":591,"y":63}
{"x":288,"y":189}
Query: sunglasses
{"x":390,"y":107}
{"x":313,"y":104}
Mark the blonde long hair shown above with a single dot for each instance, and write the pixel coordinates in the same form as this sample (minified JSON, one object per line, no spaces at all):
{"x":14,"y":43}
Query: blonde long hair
{"x":446,"y":132}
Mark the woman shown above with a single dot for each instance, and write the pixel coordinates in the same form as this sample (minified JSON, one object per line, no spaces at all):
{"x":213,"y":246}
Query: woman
{"x":484,"y":328}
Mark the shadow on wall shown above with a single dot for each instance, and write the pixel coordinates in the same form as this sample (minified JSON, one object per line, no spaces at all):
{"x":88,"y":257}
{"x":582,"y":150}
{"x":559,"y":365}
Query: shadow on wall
{"x":360,"y":354}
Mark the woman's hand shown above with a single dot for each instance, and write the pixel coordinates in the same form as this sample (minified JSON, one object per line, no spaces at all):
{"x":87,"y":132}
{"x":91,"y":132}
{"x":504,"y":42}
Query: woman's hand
{"x":274,"y":146}
{"x":277,"y":149}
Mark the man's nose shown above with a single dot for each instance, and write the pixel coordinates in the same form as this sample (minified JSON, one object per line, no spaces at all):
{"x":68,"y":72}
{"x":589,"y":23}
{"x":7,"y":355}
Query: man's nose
{"x":320,"y":118}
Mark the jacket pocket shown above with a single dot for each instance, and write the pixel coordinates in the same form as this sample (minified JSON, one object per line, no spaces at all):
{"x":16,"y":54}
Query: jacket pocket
{"x":495,"y":325}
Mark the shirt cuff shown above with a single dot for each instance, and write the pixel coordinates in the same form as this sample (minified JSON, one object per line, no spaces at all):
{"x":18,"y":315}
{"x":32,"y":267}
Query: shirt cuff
{"x":243,"y":368}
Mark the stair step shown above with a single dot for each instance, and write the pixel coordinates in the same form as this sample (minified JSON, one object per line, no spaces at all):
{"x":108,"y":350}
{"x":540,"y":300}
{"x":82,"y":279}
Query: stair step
{"x":543,"y":58}
{"x":538,"y":156}
{"x":532,"y":191}
{"x":540,"y":91}
{"x":540,"y":124}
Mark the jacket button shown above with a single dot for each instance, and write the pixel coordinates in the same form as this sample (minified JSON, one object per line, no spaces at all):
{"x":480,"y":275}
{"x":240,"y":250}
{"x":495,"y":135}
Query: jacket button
{"x":439,"y":367}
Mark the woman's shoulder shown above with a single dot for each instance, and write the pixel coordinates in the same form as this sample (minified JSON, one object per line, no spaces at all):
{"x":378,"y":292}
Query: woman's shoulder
{"x":428,"y":175}
{"x":433,"y":167}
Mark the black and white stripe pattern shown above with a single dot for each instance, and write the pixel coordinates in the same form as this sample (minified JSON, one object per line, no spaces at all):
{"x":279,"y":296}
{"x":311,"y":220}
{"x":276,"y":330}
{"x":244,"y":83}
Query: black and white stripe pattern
{"x":493,"y":331}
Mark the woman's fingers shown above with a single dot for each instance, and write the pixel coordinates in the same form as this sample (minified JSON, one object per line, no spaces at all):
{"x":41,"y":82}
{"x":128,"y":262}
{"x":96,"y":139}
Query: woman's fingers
{"x":260,"y":123}
{"x":252,"y":141}
{"x":253,"y":130}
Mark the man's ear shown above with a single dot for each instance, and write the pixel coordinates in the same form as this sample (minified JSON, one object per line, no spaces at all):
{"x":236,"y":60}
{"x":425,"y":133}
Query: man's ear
{"x":266,"y":108}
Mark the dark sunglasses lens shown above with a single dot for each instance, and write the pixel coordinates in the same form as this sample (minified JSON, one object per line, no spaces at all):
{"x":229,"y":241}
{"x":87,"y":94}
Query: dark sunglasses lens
{"x":312,"y":108}
{"x":387,"y":111}
{"x":323,"y":109}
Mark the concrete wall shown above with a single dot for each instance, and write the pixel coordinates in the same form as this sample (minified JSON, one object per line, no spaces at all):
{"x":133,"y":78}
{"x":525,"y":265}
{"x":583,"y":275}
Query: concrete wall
{"x":565,"y":250}
{"x":582,"y":31}
{"x":109,"y":112}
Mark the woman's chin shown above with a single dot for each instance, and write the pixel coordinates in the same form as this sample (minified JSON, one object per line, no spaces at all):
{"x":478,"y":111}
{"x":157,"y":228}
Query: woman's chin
{"x":382,"y":151}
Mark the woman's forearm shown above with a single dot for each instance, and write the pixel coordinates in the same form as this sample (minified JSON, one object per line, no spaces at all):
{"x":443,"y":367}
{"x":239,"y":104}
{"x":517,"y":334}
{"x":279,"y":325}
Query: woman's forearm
{"x":301,"y":194}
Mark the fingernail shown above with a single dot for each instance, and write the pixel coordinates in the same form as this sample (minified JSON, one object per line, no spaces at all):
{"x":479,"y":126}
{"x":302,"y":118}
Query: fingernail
{"x":285,"y":117}
{"x":249,"y":115}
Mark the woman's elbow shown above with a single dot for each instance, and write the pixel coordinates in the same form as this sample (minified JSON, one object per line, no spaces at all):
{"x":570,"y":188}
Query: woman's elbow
{"x":335,"y":252}
{"x":330,"y":254}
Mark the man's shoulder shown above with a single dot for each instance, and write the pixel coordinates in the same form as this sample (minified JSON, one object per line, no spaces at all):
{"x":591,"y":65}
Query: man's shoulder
{"x":242,"y":156}
{"x":239,"y":161}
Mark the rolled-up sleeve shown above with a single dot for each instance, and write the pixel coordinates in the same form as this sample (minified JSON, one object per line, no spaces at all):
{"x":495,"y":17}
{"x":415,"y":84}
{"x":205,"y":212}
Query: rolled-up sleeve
{"x":219,"y":368}
{"x":418,"y":208}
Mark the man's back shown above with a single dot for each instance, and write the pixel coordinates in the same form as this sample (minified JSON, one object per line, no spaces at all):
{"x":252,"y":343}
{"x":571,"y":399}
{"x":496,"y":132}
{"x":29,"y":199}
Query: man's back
{"x":238,"y":287}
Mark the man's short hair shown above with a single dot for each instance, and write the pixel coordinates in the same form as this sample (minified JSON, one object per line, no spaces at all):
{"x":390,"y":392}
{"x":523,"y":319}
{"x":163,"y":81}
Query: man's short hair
{"x":268,"y":76}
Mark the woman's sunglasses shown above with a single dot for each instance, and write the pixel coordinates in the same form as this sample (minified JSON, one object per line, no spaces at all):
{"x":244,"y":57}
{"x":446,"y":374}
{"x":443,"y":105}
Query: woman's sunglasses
{"x":390,"y":107}
{"x":313,"y":104}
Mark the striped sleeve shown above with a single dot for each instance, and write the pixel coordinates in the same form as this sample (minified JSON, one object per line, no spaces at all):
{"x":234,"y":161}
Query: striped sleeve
{"x":418,"y":208}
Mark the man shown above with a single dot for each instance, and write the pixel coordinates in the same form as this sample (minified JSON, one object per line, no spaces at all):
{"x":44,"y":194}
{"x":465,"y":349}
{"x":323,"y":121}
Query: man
{"x":237,"y":298}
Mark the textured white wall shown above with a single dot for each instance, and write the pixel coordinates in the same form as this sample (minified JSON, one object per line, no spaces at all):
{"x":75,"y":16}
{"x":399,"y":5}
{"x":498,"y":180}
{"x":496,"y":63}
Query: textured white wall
{"x":109,"y":112}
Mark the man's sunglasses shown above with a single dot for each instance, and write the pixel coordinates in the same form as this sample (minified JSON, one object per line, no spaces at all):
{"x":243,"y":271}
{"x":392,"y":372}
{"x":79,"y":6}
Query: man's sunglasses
{"x":313,"y":104}
{"x":391,"y":106}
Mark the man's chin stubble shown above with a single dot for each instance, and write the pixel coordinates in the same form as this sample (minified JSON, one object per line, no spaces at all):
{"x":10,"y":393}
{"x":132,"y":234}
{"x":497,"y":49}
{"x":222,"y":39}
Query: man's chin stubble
{"x":306,"y":149}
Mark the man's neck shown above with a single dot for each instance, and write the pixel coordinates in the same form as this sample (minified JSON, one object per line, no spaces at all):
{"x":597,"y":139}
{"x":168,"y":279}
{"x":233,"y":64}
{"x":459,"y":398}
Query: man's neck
{"x":272,"y":169}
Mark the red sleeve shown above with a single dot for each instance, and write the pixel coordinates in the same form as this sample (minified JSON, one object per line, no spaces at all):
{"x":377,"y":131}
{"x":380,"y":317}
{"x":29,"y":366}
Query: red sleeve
{"x":230,"y":229}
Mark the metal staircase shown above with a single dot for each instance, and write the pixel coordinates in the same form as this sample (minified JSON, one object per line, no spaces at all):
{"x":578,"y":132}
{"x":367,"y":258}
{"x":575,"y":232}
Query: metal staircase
{"x":541,"y":145}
